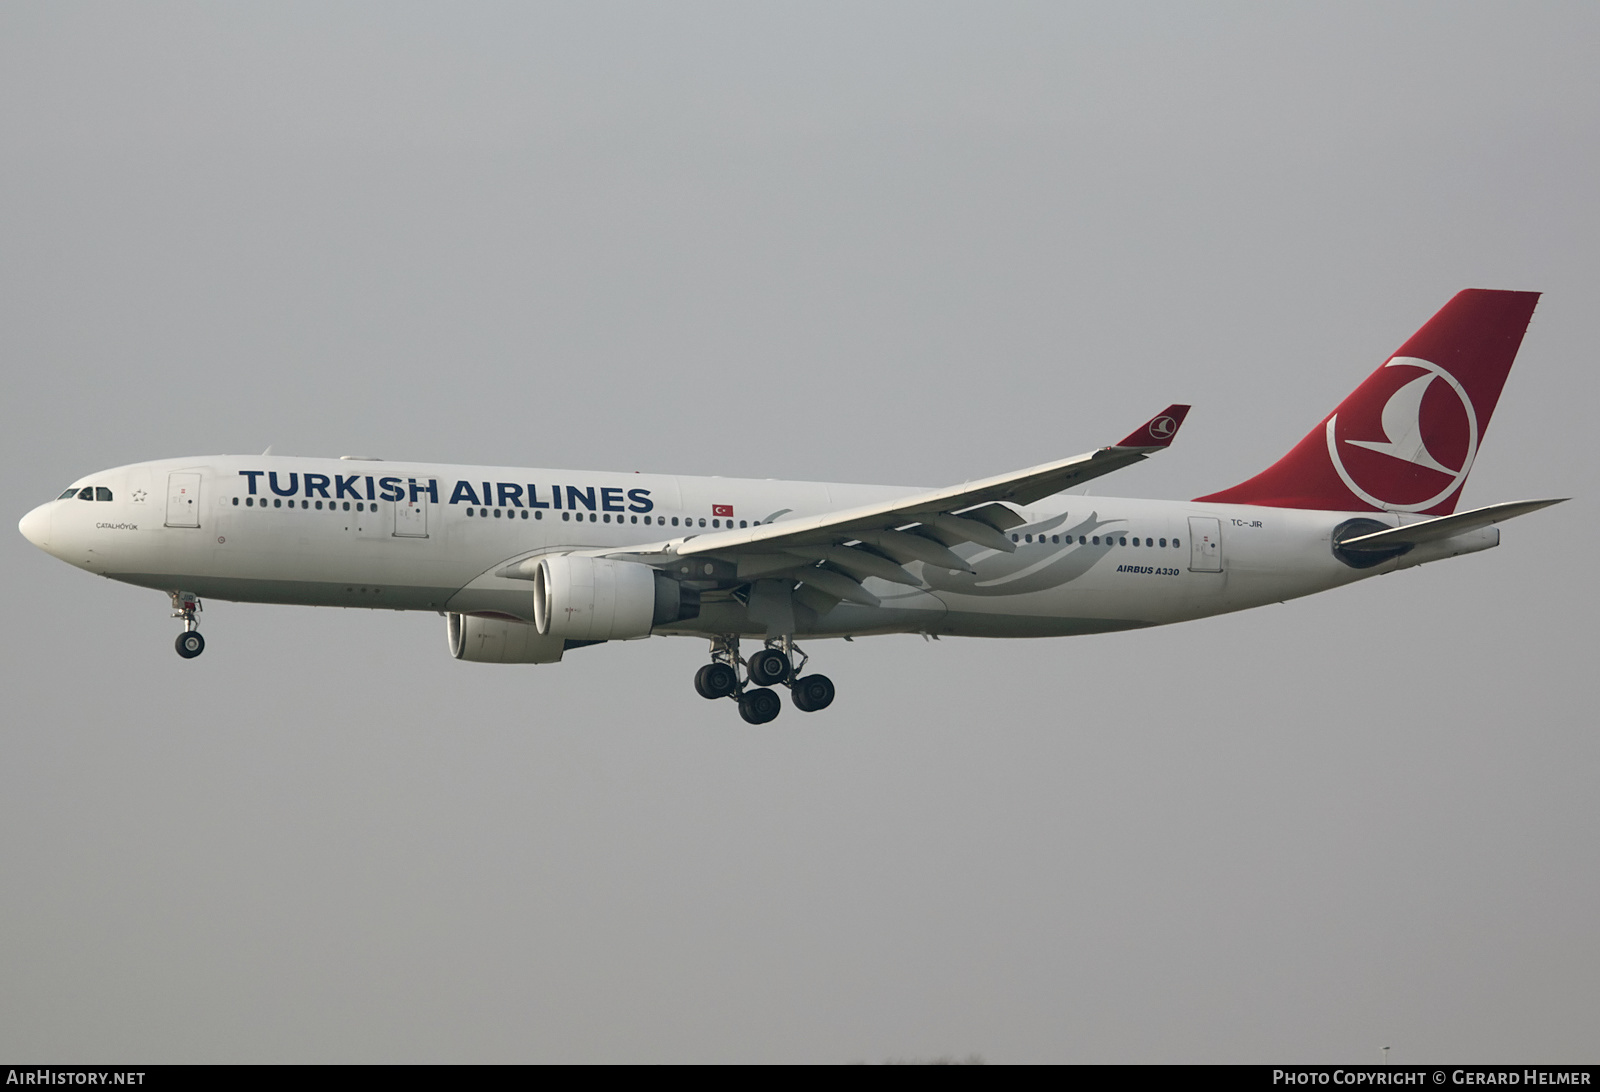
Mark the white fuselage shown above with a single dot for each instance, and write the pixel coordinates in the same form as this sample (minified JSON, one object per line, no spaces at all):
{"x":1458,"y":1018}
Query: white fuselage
{"x":406,"y":536}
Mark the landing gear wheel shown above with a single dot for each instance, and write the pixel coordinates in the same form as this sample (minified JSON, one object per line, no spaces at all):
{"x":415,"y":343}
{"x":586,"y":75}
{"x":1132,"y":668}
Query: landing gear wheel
{"x":769,"y":666}
{"x":716,"y":681}
{"x":812,"y":693}
{"x":759,"y":706}
{"x":190,"y":644}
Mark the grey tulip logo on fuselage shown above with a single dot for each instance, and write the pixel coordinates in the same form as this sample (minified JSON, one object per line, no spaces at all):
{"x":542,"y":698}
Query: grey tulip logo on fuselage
{"x":1031,"y":568}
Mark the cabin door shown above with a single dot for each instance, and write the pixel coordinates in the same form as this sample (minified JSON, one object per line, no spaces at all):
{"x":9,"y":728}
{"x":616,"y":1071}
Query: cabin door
{"x":411,"y":517}
{"x":183,"y":499}
{"x":1205,"y":544}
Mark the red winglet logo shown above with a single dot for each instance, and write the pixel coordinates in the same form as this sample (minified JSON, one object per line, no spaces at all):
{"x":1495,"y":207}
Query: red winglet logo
{"x":722,"y":509}
{"x":1158,"y":431}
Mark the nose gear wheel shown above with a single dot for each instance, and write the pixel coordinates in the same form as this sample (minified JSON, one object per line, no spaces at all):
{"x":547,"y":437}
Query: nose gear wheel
{"x":186,"y":605}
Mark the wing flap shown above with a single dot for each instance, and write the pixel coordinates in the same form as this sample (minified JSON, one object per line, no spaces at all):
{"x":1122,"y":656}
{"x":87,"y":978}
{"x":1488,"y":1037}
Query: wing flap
{"x":839,"y":586}
{"x":858,"y":563}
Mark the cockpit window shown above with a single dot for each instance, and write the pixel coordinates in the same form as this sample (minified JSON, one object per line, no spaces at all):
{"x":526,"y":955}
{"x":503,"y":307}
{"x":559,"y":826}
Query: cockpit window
{"x":86,"y":493}
{"x":101,"y":493}
{"x":73,"y":492}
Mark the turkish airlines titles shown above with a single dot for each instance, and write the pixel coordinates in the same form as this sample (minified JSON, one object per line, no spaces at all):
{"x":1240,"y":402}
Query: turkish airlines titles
{"x":494,"y":494}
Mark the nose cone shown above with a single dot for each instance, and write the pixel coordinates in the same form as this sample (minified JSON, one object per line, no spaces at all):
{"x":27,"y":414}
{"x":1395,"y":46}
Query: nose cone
{"x":35,"y":527}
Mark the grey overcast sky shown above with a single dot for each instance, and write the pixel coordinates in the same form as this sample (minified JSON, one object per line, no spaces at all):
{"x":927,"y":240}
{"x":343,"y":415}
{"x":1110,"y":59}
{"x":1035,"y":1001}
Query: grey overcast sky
{"x":897,"y":242}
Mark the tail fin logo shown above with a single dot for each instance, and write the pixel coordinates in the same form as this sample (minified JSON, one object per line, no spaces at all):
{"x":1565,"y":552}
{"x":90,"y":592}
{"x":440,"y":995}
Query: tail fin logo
{"x":1408,"y":424}
{"x":1163,"y":427}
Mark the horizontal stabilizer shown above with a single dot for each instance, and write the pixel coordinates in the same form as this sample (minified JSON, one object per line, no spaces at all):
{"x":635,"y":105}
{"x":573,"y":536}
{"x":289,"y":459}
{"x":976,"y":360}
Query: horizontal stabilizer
{"x":1432,"y":530}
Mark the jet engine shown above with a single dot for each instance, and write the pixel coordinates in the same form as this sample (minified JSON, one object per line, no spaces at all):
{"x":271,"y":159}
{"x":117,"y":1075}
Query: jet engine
{"x":596,"y":599}
{"x":500,"y":641}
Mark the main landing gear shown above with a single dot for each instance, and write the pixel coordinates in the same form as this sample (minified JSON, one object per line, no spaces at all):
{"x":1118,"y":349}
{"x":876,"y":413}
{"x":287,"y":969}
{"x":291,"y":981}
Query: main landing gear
{"x":189,"y":643}
{"x":772,"y":666}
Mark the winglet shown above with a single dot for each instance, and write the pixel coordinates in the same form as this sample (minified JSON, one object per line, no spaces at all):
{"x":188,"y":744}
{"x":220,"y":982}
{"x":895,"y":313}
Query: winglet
{"x":1158,"y":431}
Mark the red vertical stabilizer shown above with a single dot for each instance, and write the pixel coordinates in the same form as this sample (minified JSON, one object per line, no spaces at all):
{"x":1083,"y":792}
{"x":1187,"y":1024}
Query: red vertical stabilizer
{"x":1404,"y":440}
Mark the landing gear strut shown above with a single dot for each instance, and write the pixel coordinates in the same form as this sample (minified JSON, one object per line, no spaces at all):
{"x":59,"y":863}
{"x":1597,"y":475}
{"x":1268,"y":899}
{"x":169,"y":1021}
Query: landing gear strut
{"x":189,"y":643}
{"x":773,"y":665}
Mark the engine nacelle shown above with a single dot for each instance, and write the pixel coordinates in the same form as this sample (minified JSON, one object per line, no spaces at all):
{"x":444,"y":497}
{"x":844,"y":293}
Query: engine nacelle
{"x":500,"y":641}
{"x":598,"y":599}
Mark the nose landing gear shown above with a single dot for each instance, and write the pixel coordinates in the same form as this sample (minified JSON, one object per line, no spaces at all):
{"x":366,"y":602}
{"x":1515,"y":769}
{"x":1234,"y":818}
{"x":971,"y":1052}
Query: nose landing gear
{"x":189,"y":643}
{"x":772,"y":666}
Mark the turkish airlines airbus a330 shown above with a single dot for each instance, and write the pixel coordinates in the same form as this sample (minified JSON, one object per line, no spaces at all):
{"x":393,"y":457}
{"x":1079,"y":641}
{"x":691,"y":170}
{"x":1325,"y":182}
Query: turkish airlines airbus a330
{"x":527,"y":564}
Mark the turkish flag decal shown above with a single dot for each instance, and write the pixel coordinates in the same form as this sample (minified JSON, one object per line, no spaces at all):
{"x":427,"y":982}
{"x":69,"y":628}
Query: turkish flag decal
{"x":722,"y":509}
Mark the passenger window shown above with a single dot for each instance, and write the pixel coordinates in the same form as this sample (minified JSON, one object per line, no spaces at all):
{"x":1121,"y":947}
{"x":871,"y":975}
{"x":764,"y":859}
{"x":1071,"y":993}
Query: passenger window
{"x":702,"y":523}
{"x":1014,"y":538}
{"x":1163,"y":542}
{"x":742,"y":523}
{"x":524,"y":513}
{"x":674,"y":521}
{"x":1122,"y":541}
{"x":1097,"y":540}
{"x":347,"y":506}
{"x":276,"y":503}
{"x":538,"y":515}
{"x":1028,"y":537}
{"x":566,"y":516}
{"x":1176,"y":543}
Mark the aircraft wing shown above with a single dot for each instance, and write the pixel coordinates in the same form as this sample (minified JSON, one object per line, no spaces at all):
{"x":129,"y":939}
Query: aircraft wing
{"x":832,"y":552}
{"x":937,"y":509}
